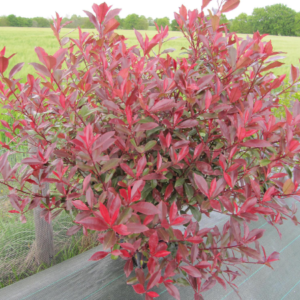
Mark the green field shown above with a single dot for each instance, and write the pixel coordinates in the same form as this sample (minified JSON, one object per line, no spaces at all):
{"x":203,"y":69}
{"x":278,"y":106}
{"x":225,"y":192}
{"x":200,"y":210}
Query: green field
{"x":23,"y":41}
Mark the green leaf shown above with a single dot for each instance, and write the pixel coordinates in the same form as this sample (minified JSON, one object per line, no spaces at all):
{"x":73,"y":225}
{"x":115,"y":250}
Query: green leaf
{"x":182,"y":282}
{"x":145,"y":172}
{"x":264,"y":162}
{"x":189,"y":191}
{"x":147,"y":189}
{"x":150,"y":145}
{"x":146,"y":120}
{"x":196,"y":213}
{"x":179,"y":182}
{"x":156,"y":129}
{"x":110,"y":164}
{"x":153,"y":184}
{"x":140,"y":149}
{"x":109,"y":176}
{"x":72,"y":117}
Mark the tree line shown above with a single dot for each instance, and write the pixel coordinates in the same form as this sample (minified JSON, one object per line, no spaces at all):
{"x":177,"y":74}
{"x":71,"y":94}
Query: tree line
{"x":277,"y":19}
{"x":129,"y":22}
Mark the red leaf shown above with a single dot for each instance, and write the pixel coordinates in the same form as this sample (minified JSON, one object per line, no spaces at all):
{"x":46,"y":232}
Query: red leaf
{"x":5,"y":124}
{"x":230,"y":5}
{"x":227,"y":179}
{"x":256,"y":188}
{"x":163,"y":105}
{"x":235,"y":95}
{"x":273,"y":257}
{"x":3,"y":64}
{"x":183,"y":12}
{"x":195,"y":239}
{"x":140,"y":39}
{"x":268,"y":194}
{"x":154,"y":279}
{"x":111,"y":25}
{"x":294,"y":73}
{"x":80,"y":205}
{"x":127,"y":169}
{"x":192,"y":271}
{"x":100,"y":11}
{"x":183,"y":153}
{"x":168,"y":191}
{"x":204,"y":3}
{"x":13,"y":211}
{"x":251,"y":253}
{"x":198,"y":150}
{"x":121,"y":229}
{"x":145,"y":208}
{"x":99,"y":255}
{"x":226,"y":203}
{"x":136,"y":228}
{"x":146,"y":126}
{"x":109,"y":240}
{"x":152,"y":294}
{"x":172,"y":290}
{"x":173,"y":211}
{"x":188,"y":124}
{"x":203,"y":265}
{"x":141,"y":166}
{"x":73,"y":230}
{"x":50,"y":61}
{"x":9,"y":135}
{"x":161,"y":253}
{"x":257,"y":143}
{"x":208,"y":98}
{"x":93,"y":224}
{"x":153,"y":176}
{"x":15,"y":69}
{"x":104,"y":213}
{"x":139,"y":289}
{"x":249,"y":203}
{"x":201,"y":184}
{"x":127,"y":246}
{"x":86,"y":181}
{"x":274,"y":64}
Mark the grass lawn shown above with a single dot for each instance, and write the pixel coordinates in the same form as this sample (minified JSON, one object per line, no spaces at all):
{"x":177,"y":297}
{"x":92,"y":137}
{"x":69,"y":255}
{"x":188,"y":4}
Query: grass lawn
{"x":23,"y":41}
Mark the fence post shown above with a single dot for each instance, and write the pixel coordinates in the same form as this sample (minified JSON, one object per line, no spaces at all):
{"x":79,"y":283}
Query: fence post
{"x":43,"y":232}
{"x":43,"y":236}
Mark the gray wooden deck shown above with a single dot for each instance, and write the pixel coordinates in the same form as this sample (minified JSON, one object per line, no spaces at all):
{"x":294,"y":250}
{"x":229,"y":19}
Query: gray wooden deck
{"x":78,"y":279}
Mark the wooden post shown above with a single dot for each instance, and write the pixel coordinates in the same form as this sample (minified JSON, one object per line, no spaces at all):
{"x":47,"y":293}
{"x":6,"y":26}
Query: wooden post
{"x":43,"y":232}
{"x":43,"y":236}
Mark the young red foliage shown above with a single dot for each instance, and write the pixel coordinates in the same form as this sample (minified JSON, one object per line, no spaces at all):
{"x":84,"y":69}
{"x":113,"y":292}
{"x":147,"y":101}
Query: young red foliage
{"x":136,"y":143}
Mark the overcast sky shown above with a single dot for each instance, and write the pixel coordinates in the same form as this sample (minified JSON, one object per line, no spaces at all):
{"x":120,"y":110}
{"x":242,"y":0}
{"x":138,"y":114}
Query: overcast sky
{"x":152,"y":8}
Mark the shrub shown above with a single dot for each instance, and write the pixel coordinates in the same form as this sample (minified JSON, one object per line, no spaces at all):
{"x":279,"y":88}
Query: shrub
{"x":139,"y":145}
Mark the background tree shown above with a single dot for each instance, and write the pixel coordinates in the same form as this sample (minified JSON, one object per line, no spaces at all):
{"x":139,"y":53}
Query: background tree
{"x":142,"y":23}
{"x":223,"y":19}
{"x":277,"y":19}
{"x":296,"y":26}
{"x":42,"y":22}
{"x":174,"y":25}
{"x":162,"y":21}
{"x":3,"y":21}
{"x":150,"y":21}
{"x":12,"y":21}
{"x":131,"y":21}
{"x":242,"y":24}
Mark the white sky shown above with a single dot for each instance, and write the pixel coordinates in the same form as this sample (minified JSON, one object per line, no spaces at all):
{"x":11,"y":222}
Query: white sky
{"x":152,"y":8}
